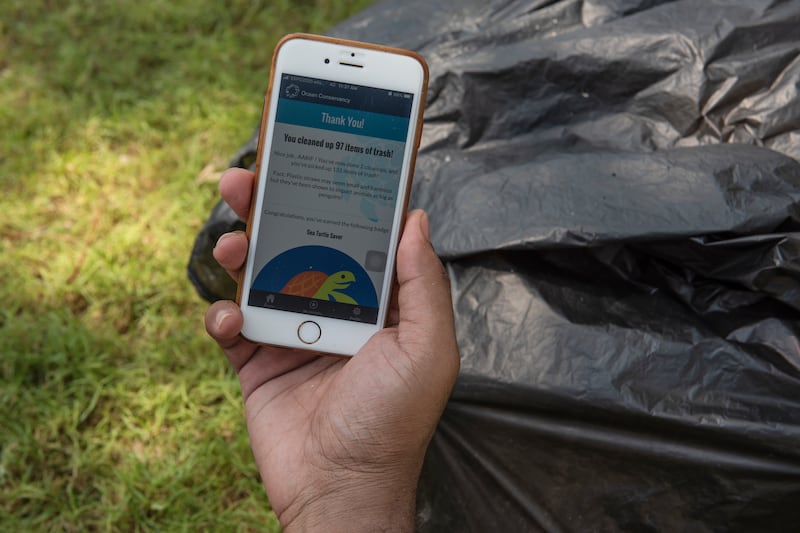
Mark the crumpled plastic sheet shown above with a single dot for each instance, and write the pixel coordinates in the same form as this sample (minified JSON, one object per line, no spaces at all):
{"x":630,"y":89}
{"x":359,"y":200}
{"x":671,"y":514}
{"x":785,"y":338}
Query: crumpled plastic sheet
{"x":614,"y":187}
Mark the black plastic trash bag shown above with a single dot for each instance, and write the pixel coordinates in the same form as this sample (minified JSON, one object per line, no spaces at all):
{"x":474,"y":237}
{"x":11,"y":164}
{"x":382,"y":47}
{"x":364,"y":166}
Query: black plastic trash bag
{"x":615,"y":188}
{"x":210,"y":279}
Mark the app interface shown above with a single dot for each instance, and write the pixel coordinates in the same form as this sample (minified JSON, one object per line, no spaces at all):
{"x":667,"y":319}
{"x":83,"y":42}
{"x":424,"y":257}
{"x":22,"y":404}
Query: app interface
{"x":329,"y":198}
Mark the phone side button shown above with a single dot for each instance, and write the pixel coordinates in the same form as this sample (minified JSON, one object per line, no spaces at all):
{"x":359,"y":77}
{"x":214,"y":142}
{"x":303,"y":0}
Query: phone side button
{"x":309,"y":332}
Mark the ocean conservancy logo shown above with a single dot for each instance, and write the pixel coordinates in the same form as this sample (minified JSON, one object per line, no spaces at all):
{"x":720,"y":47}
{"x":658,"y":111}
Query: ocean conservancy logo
{"x":292,"y":91}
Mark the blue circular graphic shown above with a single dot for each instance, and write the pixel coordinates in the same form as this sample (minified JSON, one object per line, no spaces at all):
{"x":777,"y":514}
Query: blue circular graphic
{"x":277,"y":273}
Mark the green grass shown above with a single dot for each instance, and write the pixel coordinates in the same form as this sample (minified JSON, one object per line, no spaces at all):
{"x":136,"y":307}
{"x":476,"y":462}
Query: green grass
{"x":116,"y":117}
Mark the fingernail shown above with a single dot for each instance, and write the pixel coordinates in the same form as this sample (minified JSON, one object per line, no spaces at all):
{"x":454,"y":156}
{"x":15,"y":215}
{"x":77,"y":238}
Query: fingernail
{"x":222,"y":237}
{"x":222,"y":316}
{"x":425,"y":225}
{"x":221,"y":179}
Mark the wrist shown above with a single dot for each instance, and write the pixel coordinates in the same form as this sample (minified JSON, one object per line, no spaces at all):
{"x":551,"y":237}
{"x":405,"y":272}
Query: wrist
{"x":355,"y":503}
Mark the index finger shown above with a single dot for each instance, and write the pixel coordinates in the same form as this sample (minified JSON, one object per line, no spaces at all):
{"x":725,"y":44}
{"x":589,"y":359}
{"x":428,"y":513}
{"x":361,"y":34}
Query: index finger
{"x":236,"y":188}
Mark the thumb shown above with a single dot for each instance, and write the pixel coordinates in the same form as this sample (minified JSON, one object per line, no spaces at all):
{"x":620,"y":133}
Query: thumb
{"x":425,"y":305}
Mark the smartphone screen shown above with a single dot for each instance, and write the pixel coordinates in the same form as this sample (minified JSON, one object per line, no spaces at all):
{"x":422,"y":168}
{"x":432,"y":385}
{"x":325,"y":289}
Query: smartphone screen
{"x":329,"y":198}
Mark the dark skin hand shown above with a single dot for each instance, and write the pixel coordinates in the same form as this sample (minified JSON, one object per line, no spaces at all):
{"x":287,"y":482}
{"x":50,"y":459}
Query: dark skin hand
{"x":340,"y":442}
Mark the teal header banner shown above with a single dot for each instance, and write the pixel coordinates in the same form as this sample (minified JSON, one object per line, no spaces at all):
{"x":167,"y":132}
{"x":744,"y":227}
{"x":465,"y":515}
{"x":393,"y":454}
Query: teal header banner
{"x":341,"y":119}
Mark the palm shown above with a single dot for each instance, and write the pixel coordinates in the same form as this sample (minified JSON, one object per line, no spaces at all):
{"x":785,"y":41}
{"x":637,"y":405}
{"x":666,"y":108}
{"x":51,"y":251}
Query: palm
{"x":314,"y":415}
{"x":281,"y":416}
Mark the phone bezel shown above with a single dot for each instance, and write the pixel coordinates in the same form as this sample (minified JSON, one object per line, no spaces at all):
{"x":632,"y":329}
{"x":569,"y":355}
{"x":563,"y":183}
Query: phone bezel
{"x":383,"y":68}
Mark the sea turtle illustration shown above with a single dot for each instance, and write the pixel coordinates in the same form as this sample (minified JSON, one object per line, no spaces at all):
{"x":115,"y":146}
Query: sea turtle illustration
{"x":319,"y":285}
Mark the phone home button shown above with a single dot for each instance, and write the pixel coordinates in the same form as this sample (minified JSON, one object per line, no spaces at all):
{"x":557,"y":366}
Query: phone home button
{"x":309,"y":332}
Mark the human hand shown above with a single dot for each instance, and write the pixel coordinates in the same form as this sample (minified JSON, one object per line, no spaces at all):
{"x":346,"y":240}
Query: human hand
{"x":340,"y":442}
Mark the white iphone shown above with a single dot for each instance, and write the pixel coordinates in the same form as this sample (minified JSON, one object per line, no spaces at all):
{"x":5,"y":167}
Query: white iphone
{"x":339,"y":134}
